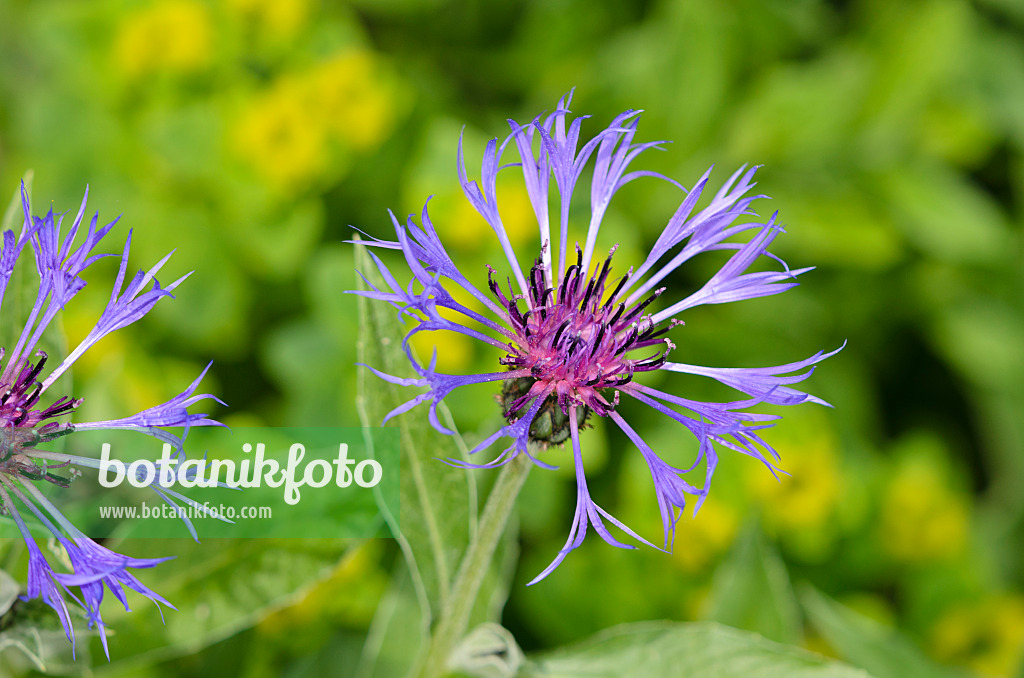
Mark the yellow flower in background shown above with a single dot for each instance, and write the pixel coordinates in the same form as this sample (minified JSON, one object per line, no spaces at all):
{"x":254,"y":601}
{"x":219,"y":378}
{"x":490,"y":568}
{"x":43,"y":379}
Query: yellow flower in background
{"x":173,"y":36}
{"x":454,"y":350}
{"x":299,"y":129}
{"x":805,"y":508}
{"x":986,"y":636}
{"x":275,"y":19}
{"x":280,"y":139}
{"x":517,"y":214}
{"x":922,"y":518}
{"x":701,"y":541}
{"x":807,"y":498}
{"x":462,"y":225}
{"x":353,"y":99}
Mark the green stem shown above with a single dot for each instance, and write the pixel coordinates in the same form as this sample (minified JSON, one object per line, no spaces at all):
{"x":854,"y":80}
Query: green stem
{"x":454,"y":618}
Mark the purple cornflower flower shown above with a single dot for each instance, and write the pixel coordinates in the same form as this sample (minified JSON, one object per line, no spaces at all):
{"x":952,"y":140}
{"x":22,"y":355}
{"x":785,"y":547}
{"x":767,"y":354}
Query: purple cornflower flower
{"x":27,"y":423}
{"x":575,"y":339}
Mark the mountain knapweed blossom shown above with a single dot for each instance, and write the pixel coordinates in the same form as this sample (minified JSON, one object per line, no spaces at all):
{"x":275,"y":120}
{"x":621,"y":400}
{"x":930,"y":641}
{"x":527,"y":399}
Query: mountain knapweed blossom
{"x":575,"y":339}
{"x":27,"y":423}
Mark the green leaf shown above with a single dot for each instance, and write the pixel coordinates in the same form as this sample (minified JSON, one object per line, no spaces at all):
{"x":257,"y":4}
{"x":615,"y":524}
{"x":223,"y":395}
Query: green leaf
{"x":981,"y":337}
{"x":437,"y":514}
{"x":866,"y":643}
{"x":496,"y":586}
{"x":396,"y":635}
{"x":25,"y":646}
{"x":488,"y":651}
{"x":220,"y":587}
{"x":9,"y":590}
{"x":751,"y":590}
{"x":684,"y":650}
{"x":945,"y":216}
{"x":31,"y":635}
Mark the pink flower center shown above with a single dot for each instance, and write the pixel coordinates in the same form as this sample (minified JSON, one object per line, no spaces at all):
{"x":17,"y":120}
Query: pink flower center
{"x":21,"y":426}
{"x":576,"y":340}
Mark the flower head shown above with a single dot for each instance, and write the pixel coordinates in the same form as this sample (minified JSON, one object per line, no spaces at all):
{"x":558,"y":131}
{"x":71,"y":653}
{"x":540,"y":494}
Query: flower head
{"x":31,"y":415}
{"x":576,"y":338}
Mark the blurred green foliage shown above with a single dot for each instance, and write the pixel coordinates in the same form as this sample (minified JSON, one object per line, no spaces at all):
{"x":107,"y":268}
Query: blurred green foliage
{"x":250,"y":135}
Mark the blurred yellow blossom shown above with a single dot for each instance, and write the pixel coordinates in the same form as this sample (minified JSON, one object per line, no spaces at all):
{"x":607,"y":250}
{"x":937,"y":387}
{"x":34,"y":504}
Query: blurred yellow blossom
{"x":987,"y":636}
{"x":275,"y":19}
{"x":700,"y":541}
{"x":461,"y":225}
{"x":299,"y":129}
{"x":517,"y":214}
{"x":922,"y":518}
{"x":174,"y":36}
{"x":454,"y":350}
{"x":280,"y":139}
{"x":353,"y":98}
{"x":807,"y":498}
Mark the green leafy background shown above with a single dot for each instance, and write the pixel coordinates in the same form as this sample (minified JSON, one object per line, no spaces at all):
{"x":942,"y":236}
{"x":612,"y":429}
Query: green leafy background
{"x":251,"y":134}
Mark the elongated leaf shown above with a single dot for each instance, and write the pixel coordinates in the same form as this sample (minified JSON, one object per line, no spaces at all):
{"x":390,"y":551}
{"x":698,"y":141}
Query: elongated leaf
{"x":26,"y":646}
{"x":495,"y":589}
{"x":220,"y":587}
{"x":684,"y":650}
{"x":438,"y":502}
{"x":751,"y":590}
{"x":946,"y":216}
{"x":488,"y":651}
{"x":864,"y":642}
{"x":396,"y":636}
{"x":9,"y":590}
